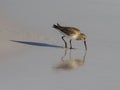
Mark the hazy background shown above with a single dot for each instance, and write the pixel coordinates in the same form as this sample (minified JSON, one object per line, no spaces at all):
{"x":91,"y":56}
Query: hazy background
{"x":32,"y":68}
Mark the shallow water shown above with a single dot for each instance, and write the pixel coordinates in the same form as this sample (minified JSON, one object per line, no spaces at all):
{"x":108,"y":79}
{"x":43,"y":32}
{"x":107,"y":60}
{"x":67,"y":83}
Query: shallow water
{"x":37,"y":68}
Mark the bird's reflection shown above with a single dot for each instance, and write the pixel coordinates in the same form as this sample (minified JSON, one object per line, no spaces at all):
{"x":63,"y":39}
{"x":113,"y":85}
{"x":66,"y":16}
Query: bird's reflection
{"x":70,"y":63}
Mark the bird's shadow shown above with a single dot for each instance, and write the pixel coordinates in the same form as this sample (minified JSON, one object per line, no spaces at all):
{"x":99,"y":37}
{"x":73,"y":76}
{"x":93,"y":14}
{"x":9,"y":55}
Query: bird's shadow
{"x":37,"y":44}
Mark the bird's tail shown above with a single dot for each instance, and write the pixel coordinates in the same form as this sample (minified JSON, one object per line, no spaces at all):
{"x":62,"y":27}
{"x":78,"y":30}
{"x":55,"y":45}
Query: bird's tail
{"x":57,"y":26}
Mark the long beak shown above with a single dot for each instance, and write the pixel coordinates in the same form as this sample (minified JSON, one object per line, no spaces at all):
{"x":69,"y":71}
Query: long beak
{"x":85,"y":45}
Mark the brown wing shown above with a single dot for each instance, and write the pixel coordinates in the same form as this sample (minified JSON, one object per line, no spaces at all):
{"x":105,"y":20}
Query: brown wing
{"x":69,"y":30}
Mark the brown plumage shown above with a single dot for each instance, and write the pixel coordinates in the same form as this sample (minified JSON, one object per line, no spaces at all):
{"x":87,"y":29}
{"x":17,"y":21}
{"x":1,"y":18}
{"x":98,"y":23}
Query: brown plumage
{"x":72,"y":33}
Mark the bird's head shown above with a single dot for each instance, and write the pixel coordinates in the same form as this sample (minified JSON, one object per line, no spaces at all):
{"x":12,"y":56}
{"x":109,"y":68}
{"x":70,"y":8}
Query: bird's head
{"x":83,"y":37}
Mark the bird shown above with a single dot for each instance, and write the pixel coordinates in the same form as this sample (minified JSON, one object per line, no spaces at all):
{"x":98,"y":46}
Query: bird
{"x":71,"y":33}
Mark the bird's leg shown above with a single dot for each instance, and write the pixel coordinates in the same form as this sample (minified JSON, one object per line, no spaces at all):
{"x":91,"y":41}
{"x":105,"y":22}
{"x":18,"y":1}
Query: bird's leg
{"x":64,"y":41}
{"x":71,"y":44}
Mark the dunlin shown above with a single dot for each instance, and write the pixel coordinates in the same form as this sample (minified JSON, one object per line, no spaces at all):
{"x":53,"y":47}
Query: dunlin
{"x":72,"y":33}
